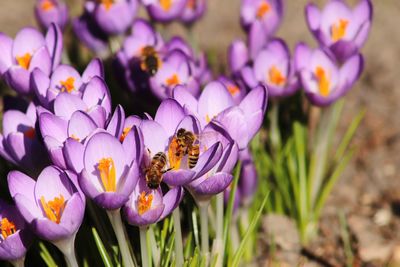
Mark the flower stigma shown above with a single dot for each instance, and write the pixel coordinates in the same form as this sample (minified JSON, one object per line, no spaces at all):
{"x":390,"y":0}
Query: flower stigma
{"x":263,"y":9}
{"x":323,"y":81}
{"x":24,"y":61}
{"x":106,"y":168}
{"x":7,"y":228}
{"x":173,"y":80}
{"x":47,"y":5}
{"x":144,"y":202}
{"x":339,"y":29}
{"x":275,"y":76}
{"x":166,"y":4}
{"x":233,"y":89}
{"x":68,"y":85}
{"x":107,"y":4}
{"x":53,"y":208}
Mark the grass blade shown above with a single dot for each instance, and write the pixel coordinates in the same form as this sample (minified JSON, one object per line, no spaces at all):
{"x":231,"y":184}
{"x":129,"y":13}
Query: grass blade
{"x":100,"y":246}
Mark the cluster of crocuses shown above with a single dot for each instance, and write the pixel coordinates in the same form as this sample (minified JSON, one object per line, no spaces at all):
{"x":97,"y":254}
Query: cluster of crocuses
{"x":69,"y":145}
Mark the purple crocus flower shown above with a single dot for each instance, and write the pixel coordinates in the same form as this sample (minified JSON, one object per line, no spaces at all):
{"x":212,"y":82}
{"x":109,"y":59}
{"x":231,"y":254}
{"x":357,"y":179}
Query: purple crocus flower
{"x":15,"y":237}
{"x":111,"y":169}
{"x":114,"y":16}
{"x":273,"y":67}
{"x":238,"y":56}
{"x":323,"y":80}
{"x":235,"y":88}
{"x":342,"y":30}
{"x":268,"y":12}
{"x":170,"y":117}
{"x":130,"y":59}
{"x":51,"y":11}
{"x":52,"y":205}
{"x":175,"y":70}
{"x":194,"y":10}
{"x":147,"y":206}
{"x":29,"y":50}
{"x":89,"y":33}
{"x":164,"y":10}
{"x":20,"y":143}
{"x":248,"y":177}
{"x":65,"y":79}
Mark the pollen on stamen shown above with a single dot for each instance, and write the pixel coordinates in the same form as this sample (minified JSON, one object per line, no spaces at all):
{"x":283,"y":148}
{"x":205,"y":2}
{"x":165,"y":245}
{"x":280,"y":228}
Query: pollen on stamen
{"x":323,"y":81}
{"x":275,"y":76}
{"x":339,"y":29}
{"x":166,"y":4}
{"x":233,"y":90}
{"x":53,"y":208}
{"x":144,"y":202}
{"x":7,"y":228}
{"x":47,"y":5}
{"x":24,"y":61}
{"x":107,"y":172}
{"x":75,"y":137}
{"x":173,"y":80}
{"x":263,"y":9}
{"x":124,"y":133}
{"x":68,"y":85}
{"x":107,"y":4}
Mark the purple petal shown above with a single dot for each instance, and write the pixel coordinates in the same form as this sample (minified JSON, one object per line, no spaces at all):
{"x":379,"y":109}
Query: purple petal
{"x":214,"y":184}
{"x":169,"y":114}
{"x":49,"y":230}
{"x":73,"y":213}
{"x":73,"y":154}
{"x":181,"y":94}
{"x":5,"y":55}
{"x":40,"y":84}
{"x":171,"y":201}
{"x":111,"y":200}
{"x":27,"y":40}
{"x":18,"y":78}
{"x":51,"y":125}
{"x":134,"y":145}
{"x":117,"y":122}
{"x":238,"y":55}
{"x":151,"y":129}
{"x":80,"y":125}
{"x":66,"y":104}
{"x":208,"y":159}
{"x":94,"y":68}
{"x":178,"y":177}
{"x":41,"y":59}
{"x":54,"y":42}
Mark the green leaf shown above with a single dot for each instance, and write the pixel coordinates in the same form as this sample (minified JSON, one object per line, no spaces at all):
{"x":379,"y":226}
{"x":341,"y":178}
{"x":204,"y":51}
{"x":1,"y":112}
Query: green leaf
{"x":46,"y":256}
{"x":100,"y":246}
{"x":251,"y":229}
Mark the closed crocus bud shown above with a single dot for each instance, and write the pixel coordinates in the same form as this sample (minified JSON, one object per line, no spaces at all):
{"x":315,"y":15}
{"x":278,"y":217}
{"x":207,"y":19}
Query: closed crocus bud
{"x":20,"y":143}
{"x":339,"y":28}
{"x":268,"y":12}
{"x":175,"y":70}
{"x":115,"y":16}
{"x":323,"y":79}
{"x":147,"y":206}
{"x":52,"y":205}
{"x":15,"y":237}
{"x":164,"y":11}
{"x":194,"y":10}
{"x":29,"y":50}
{"x":248,"y":177}
{"x":51,"y":11}
{"x":238,"y":55}
{"x":111,"y":169}
{"x":273,"y":67}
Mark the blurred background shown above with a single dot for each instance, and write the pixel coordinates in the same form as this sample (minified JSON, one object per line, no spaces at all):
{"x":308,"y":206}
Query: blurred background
{"x":369,"y":191}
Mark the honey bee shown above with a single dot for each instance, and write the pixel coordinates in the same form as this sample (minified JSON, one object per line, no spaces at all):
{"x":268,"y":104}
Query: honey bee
{"x":156,"y":170}
{"x":182,"y":144}
{"x":150,"y":62}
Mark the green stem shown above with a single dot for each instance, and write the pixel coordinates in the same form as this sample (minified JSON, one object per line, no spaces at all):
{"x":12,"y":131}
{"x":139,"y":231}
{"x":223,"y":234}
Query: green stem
{"x":143,"y":247}
{"x":19,"y":262}
{"x":178,"y":238}
{"x":218,"y":249}
{"x":67,"y":247}
{"x":119,"y":229}
{"x":154,"y":249}
{"x":275,"y":133}
{"x":205,"y":250}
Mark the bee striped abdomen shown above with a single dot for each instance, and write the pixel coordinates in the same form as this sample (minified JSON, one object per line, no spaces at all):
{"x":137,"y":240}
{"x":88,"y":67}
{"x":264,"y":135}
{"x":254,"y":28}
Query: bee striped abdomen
{"x":194,"y":152}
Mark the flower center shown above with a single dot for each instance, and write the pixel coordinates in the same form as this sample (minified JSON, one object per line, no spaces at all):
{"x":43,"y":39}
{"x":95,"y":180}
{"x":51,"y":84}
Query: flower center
{"x":275,"y":76}
{"x":30,"y":133}
{"x":124,"y":133}
{"x":191,"y":4}
{"x":7,"y":228}
{"x":339,"y":29}
{"x":233,"y":89}
{"x":53,"y":208}
{"x":47,"y":5}
{"x":144,"y":202}
{"x":68,"y":85}
{"x":173,"y":80}
{"x":24,"y":61}
{"x":323,"y":81}
{"x":263,"y":9}
{"x":106,"y":168}
{"x":166,"y":4}
{"x":107,"y":4}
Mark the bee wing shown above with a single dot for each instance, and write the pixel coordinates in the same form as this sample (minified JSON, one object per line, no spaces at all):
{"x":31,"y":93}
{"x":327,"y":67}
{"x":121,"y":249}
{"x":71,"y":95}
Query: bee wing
{"x":206,"y":139}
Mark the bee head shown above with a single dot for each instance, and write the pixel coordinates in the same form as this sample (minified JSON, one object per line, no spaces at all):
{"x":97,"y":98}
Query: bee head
{"x":181,"y":132}
{"x":152,"y":185}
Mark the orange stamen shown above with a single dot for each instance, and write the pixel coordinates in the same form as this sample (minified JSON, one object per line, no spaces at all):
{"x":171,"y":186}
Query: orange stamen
{"x":166,"y":4}
{"x":124,"y":133}
{"x":173,"y":80}
{"x":47,"y":5}
{"x":24,"y":61}
{"x":30,"y":133}
{"x":68,"y":85}
{"x":144,"y":202}
{"x":323,"y":81}
{"x":75,"y":137}
{"x":275,"y":76}
{"x":339,"y":29}
{"x":107,"y":4}
{"x":53,"y":208}
{"x":7,"y":228}
{"x":106,"y":168}
{"x":233,"y":89}
{"x":263,"y":9}
{"x":174,"y":160}
{"x":191,"y":4}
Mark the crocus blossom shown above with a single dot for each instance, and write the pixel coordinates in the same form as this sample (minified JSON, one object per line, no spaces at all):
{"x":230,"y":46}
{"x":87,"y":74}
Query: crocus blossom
{"x":339,"y":28}
{"x":51,"y":11}
{"x":164,"y":10}
{"x":323,"y":79}
{"x":194,"y":10}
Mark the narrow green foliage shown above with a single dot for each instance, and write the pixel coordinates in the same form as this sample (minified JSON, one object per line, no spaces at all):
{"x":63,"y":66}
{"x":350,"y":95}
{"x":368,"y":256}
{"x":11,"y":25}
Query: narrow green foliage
{"x":100,"y":246}
{"x":46,"y":256}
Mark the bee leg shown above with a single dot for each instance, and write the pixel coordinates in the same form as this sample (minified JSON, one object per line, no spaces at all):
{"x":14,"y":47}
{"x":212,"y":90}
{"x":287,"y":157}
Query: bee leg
{"x":167,"y":170}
